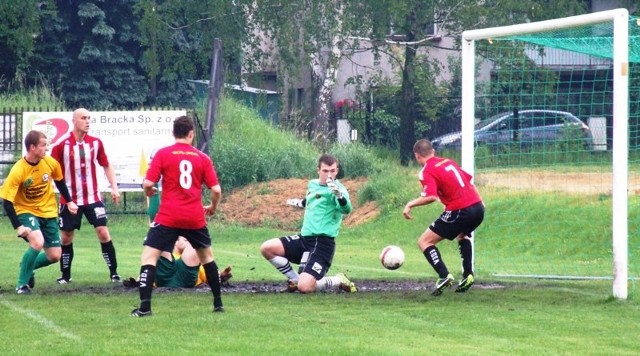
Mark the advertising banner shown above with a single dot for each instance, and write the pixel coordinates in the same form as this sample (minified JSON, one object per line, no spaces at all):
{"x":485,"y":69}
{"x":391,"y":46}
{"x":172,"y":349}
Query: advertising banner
{"x":130,"y":138}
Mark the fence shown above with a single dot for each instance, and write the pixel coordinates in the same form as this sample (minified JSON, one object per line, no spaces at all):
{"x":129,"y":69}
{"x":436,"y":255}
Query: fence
{"x":366,"y":124}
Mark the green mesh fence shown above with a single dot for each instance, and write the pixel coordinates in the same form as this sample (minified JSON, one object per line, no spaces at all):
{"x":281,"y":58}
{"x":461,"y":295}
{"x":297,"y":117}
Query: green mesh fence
{"x":544,"y":105}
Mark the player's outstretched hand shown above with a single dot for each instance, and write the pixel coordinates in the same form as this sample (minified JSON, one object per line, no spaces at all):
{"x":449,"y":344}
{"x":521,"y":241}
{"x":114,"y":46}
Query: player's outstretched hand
{"x":295,"y":202}
{"x":225,"y":276}
{"x":151,"y":191}
{"x":407,"y":213}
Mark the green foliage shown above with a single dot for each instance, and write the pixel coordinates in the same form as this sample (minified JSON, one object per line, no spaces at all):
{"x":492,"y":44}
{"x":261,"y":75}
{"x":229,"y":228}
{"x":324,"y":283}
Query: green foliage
{"x":246,"y":149}
{"x":18,"y":23}
{"x":392,"y":188}
{"x":356,"y":160}
{"x":177,"y":40}
{"x":41,"y":95}
{"x":89,"y":50}
{"x":384,"y":128}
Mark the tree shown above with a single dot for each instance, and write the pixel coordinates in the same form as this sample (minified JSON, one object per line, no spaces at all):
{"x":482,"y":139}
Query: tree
{"x":19,"y":24}
{"x":177,"y":39}
{"x":89,"y":50}
{"x":306,"y":34}
{"x":411,"y":20}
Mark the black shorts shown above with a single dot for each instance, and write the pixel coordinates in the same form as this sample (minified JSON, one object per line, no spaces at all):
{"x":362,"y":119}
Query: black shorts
{"x":163,"y":237}
{"x":452,"y":223}
{"x":96,"y":215}
{"x":314,"y":254}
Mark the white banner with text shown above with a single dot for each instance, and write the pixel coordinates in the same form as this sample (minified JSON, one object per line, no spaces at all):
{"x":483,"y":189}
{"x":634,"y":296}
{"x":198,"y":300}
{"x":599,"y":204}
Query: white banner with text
{"x":129,"y":137}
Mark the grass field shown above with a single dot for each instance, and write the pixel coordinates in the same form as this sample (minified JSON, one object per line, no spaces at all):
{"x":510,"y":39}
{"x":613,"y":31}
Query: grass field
{"x":498,"y":316}
{"x":90,"y":316}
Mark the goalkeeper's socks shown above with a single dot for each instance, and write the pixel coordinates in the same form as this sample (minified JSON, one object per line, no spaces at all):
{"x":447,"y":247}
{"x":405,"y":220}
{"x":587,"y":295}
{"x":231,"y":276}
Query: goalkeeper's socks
{"x":432,"y":255}
{"x":465,"y":246}
{"x":147,"y":277}
{"x":65,"y":261}
{"x":282,"y":264}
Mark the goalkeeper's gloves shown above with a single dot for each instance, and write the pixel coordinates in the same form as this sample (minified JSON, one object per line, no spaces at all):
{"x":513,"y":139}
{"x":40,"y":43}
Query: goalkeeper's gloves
{"x":225,"y":276}
{"x":334,"y":188}
{"x":130,"y":283}
{"x":298,"y":203}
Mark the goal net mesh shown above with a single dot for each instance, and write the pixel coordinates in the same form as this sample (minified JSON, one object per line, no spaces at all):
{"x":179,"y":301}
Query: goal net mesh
{"x":558,"y":172}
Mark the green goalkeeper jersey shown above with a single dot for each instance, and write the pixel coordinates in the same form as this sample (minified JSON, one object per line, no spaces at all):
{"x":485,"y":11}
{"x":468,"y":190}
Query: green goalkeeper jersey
{"x":323,"y":212}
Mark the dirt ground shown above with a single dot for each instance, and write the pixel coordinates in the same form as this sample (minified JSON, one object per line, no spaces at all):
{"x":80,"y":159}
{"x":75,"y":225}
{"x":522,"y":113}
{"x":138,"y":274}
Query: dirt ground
{"x":265,"y":204}
{"x":549,"y":181}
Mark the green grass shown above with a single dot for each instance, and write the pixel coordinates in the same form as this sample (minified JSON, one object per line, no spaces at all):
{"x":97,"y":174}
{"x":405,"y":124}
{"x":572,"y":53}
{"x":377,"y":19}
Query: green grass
{"x":507,"y":316}
{"x":516,"y":317}
{"x":39,"y":96}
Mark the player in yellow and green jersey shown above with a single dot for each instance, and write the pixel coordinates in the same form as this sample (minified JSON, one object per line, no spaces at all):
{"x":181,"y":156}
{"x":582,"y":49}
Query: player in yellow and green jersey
{"x":29,"y":201}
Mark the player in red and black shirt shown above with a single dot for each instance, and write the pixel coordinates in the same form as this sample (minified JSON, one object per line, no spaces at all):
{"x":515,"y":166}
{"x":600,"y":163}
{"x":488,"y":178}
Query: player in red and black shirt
{"x":182,"y":170}
{"x":79,"y":155}
{"x":442,"y":179}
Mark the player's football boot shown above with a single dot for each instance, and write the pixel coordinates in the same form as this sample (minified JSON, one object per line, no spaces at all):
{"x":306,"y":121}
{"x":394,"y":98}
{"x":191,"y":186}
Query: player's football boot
{"x":63,"y":280}
{"x":32,"y":281}
{"x":465,"y":284}
{"x":23,"y":289}
{"x":346,"y":285}
{"x":217,"y":305}
{"x":292,"y":287}
{"x":115,"y":278}
{"x":442,"y":283}
{"x":139,"y":313}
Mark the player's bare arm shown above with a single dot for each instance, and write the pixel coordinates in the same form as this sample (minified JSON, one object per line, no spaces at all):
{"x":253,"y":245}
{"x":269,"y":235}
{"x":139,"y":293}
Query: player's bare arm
{"x":417,"y":202}
{"x":216,"y":195}
{"x":111,"y":177}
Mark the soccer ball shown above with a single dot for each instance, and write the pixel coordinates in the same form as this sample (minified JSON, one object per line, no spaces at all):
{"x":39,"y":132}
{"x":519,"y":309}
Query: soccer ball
{"x":392,"y":257}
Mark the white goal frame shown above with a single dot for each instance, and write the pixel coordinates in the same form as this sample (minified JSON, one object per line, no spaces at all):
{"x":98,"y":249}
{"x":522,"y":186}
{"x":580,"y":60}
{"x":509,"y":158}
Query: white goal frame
{"x":620,"y":18}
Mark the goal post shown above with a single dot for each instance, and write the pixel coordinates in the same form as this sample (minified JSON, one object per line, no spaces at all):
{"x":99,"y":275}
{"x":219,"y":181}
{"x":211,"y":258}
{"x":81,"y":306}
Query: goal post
{"x":537,"y":65}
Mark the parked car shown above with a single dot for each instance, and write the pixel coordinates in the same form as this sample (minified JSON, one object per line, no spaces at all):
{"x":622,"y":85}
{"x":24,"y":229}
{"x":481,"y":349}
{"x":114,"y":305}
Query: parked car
{"x":527,"y":127}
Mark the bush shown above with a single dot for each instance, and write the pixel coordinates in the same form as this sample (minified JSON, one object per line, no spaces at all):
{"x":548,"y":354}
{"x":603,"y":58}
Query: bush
{"x":246,"y":149}
{"x":356,"y":160}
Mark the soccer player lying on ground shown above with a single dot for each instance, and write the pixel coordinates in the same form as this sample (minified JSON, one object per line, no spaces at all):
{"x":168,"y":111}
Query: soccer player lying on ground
{"x":180,"y":269}
{"x":325,"y":203}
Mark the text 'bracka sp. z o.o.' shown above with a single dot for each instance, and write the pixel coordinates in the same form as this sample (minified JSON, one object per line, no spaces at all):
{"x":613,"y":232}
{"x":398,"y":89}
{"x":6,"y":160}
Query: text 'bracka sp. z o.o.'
{"x":141,"y":119}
